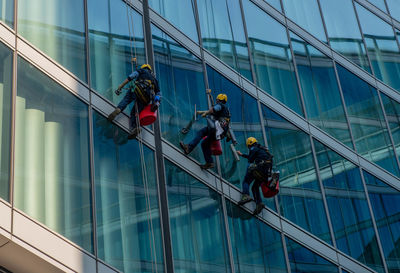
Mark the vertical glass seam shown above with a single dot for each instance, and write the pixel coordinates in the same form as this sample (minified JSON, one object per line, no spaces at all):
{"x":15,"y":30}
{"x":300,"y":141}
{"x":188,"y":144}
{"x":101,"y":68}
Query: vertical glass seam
{"x":323,"y":22}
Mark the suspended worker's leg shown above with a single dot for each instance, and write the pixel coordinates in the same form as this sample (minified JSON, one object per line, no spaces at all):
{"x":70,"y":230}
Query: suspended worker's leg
{"x":248,"y":178}
{"x":188,"y":148}
{"x":257,"y":197}
{"x":128,"y":98}
{"x":206,"y":148}
{"x":133,"y":122}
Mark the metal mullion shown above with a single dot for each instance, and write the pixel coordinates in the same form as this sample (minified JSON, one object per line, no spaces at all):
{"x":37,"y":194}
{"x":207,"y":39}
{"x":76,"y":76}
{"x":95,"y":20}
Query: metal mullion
{"x":323,"y":22}
{"x":378,"y":239}
{"x":285,"y":251}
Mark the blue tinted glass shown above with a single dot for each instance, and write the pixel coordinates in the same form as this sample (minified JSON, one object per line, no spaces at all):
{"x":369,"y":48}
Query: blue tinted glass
{"x":344,"y":34}
{"x":321,"y":94}
{"x":271,"y":56}
{"x":381,"y":46}
{"x":57,"y":28}
{"x":6,"y":68}
{"x":181,"y":79}
{"x":223,"y":33}
{"x":115,"y":36}
{"x":306,"y":14}
{"x":394,"y":9}
{"x":303,"y":260}
{"x":7,"y":12}
{"x":127,"y":213}
{"x":300,"y":194}
{"x":180,"y":13}
{"x":379,"y":4}
{"x":392,"y":109}
{"x":275,"y":3}
{"x":348,"y":207}
{"x":197,"y":227}
{"x":52,"y":133}
{"x":367,"y":121}
{"x":256,"y":247}
{"x":385,"y":202}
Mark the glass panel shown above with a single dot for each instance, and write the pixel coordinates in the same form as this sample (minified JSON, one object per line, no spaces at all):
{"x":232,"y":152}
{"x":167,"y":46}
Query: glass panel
{"x":52,"y":172}
{"x":303,"y":260}
{"x":111,"y":35}
{"x":256,"y":247}
{"x":180,"y":13}
{"x":300,"y":194}
{"x":367,"y":121}
{"x":348,"y":207}
{"x":272,"y":57}
{"x":58,"y":30}
{"x":127,"y":213}
{"x":385,"y":202}
{"x":394,"y":8}
{"x":6,"y":69}
{"x":382,"y":47}
{"x":181,"y":79}
{"x":344,"y":34}
{"x":392,"y":109}
{"x":379,"y":4}
{"x":7,"y":12}
{"x":197,"y":224}
{"x":320,"y":90}
{"x":306,"y":14}
{"x":223,"y":33}
{"x":275,"y":3}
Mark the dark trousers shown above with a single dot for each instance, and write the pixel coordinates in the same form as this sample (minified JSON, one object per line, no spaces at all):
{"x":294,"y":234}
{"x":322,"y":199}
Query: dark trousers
{"x":248,"y":178}
{"x":205,"y":144}
{"x":128,"y":98}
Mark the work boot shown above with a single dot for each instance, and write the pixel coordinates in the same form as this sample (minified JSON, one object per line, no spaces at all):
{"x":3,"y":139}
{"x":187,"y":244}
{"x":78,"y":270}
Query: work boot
{"x":134,"y":133}
{"x":207,"y":166}
{"x":244,"y":199}
{"x":113,"y":115}
{"x":258,"y":209}
{"x":185,"y":148}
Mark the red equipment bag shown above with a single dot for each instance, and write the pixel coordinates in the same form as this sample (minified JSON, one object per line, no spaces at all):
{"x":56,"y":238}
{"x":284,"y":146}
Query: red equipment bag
{"x":216,"y":148}
{"x":147,"y":117}
{"x":266,"y":190}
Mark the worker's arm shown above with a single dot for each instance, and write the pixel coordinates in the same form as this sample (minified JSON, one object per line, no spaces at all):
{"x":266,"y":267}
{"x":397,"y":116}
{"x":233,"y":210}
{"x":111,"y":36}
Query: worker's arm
{"x":157,"y":92}
{"x":131,"y":77}
{"x":242,"y":155}
{"x":213,"y":109}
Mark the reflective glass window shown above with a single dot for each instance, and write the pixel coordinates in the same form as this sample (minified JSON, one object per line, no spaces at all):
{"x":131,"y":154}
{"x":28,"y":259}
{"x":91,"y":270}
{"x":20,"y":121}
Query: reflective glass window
{"x":306,"y":14}
{"x":348,"y":207}
{"x":321,"y":93}
{"x":197,"y":224}
{"x":256,"y":247}
{"x":272,"y":57}
{"x":180,"y":13}
{"x":392,"y":109}
{"x":115,"y":36}
{"x":303,"y":260}
{"x":245,"y":122}
{"x":127,"y":213}
{"x":275,"y":3}
{"x":381,"y":46}
{"x":181,"y":79}
{"x":394,"y":9}
{"x":344,"y":34}
{"x":300,"y":197}
{"x":6,"y":68}
{"x":57,"y":28}
{"x":385,"y":202}
{"x":379,"y":4}
{"x":367,"y":121}
{"x":7,"y":12}
{"x":223,"y":33}
{"x":52,"y":172}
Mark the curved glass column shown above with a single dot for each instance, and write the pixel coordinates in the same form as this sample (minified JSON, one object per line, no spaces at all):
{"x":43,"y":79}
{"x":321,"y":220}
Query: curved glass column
{"x":7,"y":12}
{"x":52,"y":172}
{"x":344,"y":34}
{"x":56,"y":27}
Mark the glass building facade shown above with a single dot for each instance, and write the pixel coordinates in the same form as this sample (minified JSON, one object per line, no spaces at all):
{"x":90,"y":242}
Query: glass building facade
{"x":316,"y":81}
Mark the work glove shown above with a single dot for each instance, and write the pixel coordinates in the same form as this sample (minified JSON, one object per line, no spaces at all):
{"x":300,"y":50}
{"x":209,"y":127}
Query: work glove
{"x":118,"y":92}
{"x":157,"y":98}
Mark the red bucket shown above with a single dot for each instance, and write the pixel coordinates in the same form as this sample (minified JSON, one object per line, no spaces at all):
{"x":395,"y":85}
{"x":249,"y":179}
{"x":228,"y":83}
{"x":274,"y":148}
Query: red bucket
{"x":267,"y":191}
{"x":147,"y":117}
{"x":216,"y":148}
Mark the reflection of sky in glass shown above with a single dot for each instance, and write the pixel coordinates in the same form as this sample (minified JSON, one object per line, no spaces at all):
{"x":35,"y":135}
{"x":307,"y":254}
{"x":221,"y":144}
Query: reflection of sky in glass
{"x":394,"y":8}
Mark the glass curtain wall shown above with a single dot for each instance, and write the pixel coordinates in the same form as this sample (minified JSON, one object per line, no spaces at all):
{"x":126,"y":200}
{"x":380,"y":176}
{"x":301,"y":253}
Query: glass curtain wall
{"x":394,"y":9}
{"x":197,"y":224}
{"x":321,"y":93}
{"x":381,"y":46}
{"x":222,"y":33}
{"x":272,"y":58}
{"x":300,"y":197}
{"x":344,"y":34}
{"x":348,"y":207}
{"x":385,"y":202}
{"x":275,"y":3}
{"x":6,"y":69}
{"x":115,"y":36}
{"x":256,"y":247}
{"x":127,"y":212}
{"x":379,"y":4}
{"x":181,"y":79}
{"x":52,"y":172}
{"x":7,"y":12}
{"x":367,"y":121}
{"x":56,"y":27}
{"x":392,"y":110}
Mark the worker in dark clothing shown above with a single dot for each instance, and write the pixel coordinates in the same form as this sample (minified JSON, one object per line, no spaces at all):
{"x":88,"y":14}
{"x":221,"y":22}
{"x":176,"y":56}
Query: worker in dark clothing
{"x":145,"y":90}
{"x":216,"y":129}
{"x":259,"y":169}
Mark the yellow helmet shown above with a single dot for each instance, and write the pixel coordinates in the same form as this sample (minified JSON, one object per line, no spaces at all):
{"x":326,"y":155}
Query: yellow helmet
{"x":250,"y":141}
{"x":146,"y":66}
{"x":222,"y":97}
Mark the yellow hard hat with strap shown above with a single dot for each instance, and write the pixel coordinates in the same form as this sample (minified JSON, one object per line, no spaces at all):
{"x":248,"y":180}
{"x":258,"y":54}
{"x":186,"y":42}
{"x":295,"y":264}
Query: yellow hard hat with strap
{"x":222,"y":97}
{"x":146,"y":66}
{"x":250,"y":141}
